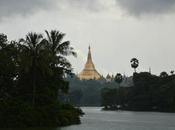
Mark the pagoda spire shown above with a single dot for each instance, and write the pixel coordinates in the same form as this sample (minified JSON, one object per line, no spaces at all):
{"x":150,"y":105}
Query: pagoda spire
{"x":89,"y":59}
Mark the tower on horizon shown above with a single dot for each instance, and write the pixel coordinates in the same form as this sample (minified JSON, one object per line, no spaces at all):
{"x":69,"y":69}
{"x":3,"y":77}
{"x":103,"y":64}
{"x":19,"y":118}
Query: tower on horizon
{"x":89,"y":72}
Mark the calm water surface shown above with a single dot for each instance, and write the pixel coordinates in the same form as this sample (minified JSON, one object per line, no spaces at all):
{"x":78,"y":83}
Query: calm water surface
{"x":95,"y":119}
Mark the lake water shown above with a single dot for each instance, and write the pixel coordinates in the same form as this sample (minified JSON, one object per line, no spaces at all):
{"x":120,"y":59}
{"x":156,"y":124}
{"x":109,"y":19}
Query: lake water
{"x":95,"y":119}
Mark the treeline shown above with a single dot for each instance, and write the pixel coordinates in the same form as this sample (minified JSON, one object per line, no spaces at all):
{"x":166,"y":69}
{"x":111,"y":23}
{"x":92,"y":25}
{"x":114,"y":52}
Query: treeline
{"x":85,"y":93}
{"x":149,"y":93}
{"x":31,"y":78}
{"x":88,"y":92}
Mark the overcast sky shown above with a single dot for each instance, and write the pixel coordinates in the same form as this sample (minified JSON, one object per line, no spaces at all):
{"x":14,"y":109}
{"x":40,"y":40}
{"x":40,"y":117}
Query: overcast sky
{"x":117,"y":30}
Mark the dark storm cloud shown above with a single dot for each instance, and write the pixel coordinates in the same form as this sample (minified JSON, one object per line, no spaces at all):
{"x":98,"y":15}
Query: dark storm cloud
{"x":133,"y":7}
{"x":22,"y":7}
{"x":25,"y":7}
{"x":142,"y":7}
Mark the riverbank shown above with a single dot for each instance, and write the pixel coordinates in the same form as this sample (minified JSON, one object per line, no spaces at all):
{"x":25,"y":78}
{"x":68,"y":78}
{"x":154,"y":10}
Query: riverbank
{"x":14,"y":115}
{"x":133,"y":110}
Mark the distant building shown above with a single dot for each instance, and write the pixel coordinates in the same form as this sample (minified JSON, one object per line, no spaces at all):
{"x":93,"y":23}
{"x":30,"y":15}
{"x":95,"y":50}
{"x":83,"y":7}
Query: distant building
{"x":89,"y":72}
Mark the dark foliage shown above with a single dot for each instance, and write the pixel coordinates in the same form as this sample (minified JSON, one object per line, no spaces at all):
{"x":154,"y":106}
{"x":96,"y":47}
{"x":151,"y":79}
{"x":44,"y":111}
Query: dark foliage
{"x":118,"y":78}
{"x":85,"y":93}
{"x":31,"y":77}
{"x":149,"y":93}
{"x":134,"y":63}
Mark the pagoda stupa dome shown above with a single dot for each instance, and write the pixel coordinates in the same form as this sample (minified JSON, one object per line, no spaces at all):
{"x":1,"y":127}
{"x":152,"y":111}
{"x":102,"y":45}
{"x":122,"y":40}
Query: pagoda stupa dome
{"x":89,"y":72}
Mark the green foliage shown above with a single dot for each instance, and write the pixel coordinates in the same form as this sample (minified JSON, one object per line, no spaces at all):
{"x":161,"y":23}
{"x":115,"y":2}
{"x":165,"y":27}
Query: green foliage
{"x":118,"y":78}
{"x":134,"y":63}
{"x":20,"y":114}
{"x":85,"y":93}
{"x":149,"y":93}
{"x":114,"y":98}
{"x":163,"y":74}
{"x":31,"y":76}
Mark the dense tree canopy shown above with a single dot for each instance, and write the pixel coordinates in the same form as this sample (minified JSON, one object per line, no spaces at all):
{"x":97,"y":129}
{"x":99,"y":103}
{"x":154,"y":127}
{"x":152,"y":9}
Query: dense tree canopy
{"x":32,"y":74}
{"x":149,"y":93}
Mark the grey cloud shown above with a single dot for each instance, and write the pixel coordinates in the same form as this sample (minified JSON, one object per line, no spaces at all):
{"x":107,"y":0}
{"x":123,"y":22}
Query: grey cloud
{"x":91,"y":5}
{"x":146,"y":7}
{"x":25,"y":7}
{"x":133,"y":7}
{"x":22,"y":7}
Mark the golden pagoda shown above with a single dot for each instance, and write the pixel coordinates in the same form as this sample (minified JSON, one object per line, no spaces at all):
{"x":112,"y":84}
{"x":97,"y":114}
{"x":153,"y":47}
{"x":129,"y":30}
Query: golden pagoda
{"x":89,"y":72}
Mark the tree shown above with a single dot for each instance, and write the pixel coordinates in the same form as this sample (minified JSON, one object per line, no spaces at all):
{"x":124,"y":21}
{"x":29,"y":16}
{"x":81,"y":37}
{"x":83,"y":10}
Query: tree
{"x":31,"y":76}
{"x":3,"y":39}
{"x":32,"y":60}
{"x":134,"y":63}
{"x":163,"y":74}
{"x":7,"y":67}
{"x":148,"y":93}
{"x":172,"y":72}
{"x":118,"y":78}
{"x":59,"y":50}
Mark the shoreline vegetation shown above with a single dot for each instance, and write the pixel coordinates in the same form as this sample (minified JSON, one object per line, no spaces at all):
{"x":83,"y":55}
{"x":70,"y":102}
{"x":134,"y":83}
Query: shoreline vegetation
{"x":32,"y":74}
{"x":149,"y":93}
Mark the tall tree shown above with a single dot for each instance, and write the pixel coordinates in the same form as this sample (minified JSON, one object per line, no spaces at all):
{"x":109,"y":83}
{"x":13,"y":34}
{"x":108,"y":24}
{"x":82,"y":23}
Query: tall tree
{"x":59,"y":50}
{"x":31,"y":59}
{"x":134,"y":63}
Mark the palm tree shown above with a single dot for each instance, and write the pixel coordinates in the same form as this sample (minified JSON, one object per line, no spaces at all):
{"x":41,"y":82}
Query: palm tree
{"x":59,"y":49}
{"x":134,"y":63}
{"x":118,"y":78}
{"x":31,"y":48}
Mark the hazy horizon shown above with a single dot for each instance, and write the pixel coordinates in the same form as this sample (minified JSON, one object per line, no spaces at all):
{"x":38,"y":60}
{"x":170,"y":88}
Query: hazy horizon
{"x":117,"y":30}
